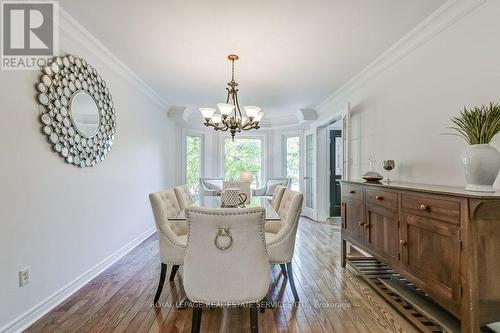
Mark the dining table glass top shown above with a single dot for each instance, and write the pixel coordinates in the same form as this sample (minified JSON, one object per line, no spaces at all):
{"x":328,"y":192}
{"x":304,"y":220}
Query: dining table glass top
{"x":215,"y":202}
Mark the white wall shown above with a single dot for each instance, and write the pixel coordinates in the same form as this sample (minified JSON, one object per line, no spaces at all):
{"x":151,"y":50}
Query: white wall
{"x":401,"y":112}
{"x":62,"y":220}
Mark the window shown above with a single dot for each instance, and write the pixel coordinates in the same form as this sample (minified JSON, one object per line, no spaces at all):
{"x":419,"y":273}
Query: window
{"x":193,"y":163}
{"x":243,"y":154}
{"x":292,"y":160}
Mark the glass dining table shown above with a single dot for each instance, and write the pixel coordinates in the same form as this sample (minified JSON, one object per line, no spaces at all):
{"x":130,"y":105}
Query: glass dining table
{"x":215,"y":202}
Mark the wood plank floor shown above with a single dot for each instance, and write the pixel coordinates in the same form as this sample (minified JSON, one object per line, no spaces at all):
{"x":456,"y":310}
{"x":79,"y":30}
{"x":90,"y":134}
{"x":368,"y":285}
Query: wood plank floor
{"x":332,"y":299}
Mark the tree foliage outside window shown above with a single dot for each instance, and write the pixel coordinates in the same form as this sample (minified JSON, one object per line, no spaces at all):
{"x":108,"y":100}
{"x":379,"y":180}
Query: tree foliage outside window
{"x":193,"y":163}
{"x":293,"y":160}
{"x":243,"y":154}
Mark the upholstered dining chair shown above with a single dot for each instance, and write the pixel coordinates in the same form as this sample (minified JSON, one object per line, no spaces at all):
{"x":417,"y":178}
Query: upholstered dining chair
{"x":226,"y":262}
{"x":243,"y":186}
{"x":268,"y":189}
{"x":277,"y":196}
{"x":183,"y":196}
{"x":280,"y":237}
{"x":172,"y":236}
{"x":211,"y":186}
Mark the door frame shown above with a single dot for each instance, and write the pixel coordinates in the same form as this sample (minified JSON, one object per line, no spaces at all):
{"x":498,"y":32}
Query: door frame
{"x":323,"y":168}
{"x":311,"y":213}
{"x":332,"y":135}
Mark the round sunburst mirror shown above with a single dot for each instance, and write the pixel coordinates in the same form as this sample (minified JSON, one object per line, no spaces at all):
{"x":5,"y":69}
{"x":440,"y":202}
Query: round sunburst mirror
{"x":77,"y":112}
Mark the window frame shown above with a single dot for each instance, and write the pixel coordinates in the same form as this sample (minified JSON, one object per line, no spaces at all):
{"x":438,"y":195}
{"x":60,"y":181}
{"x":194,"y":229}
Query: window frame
{"x":284,"y":165}
{"x":284,"y":137}
{"x":192,"y":133}
{"x":263,"y":152}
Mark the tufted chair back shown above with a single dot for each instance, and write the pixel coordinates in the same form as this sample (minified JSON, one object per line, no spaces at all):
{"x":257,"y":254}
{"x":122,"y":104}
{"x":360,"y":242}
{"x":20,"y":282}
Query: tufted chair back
{"x":234,"y":273}
{"x":183,"y":196}
{"x":171,"y":235}
{"x":277,"y":196}
{"x":281,"y":246}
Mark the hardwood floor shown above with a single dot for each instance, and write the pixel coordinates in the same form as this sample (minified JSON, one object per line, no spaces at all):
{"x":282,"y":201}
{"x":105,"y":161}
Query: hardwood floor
{"x":332,"y":299}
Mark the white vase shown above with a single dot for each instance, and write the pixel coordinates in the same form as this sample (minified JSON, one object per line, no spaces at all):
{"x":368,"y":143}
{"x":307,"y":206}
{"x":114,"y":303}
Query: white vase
{"x":481,"y":163}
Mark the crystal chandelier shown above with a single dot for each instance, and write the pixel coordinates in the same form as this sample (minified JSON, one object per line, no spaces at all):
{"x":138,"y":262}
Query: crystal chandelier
{"x":229,"y":117}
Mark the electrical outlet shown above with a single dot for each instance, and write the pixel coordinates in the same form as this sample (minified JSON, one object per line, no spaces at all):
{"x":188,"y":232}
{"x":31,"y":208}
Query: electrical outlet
{"x":24,"y":276}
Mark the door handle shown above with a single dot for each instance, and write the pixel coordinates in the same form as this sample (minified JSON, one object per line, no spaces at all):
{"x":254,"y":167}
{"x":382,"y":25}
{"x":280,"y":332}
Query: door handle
{"x":403,"y":242}
{"x":361,"y":223}
{"x":366,"y":225}
{"x":379,"y":197}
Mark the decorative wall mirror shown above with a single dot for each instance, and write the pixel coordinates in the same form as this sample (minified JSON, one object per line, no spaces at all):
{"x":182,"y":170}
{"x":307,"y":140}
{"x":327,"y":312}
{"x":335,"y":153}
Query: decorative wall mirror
{"x":78,"y":115}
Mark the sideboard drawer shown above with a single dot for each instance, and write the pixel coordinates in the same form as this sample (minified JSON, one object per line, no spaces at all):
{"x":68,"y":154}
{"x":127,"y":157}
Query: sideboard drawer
{"x":441,"y":209}
{"x":386,"y":199}
{"x":352,"y":191}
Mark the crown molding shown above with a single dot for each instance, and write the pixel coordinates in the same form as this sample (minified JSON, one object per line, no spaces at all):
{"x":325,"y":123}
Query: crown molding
{"x":69,"y":26}
{"x":307,"y":115}
{"x":441,"y":19}
{"x":177,"y":113}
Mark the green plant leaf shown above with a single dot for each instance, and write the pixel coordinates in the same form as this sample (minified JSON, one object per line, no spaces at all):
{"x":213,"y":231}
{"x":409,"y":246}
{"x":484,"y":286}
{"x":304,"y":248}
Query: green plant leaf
{"x":477,"y":125}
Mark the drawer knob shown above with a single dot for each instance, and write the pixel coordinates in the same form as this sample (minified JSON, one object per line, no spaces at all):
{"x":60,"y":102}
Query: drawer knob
{"x":352,"y":191}
{"x":424,"y":207}
{"x":361,"y":223}
{"x":403,"y":242}
{"x":379,"y":197}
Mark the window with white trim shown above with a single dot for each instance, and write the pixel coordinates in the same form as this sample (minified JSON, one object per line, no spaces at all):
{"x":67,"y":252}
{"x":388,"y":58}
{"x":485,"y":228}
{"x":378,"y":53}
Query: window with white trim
{"x":193,"y":155}
{"x":244,"y":154}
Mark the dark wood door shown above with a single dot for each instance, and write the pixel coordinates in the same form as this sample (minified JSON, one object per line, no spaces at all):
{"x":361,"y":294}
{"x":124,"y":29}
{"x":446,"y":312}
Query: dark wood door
{"x":430,"y":254}
{"x":352,"y":219}
{"x":381,"y":232}
{"x":335,"y":171}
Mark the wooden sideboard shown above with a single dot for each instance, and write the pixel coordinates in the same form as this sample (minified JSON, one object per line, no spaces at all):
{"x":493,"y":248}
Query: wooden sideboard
{"x":444,"y":240}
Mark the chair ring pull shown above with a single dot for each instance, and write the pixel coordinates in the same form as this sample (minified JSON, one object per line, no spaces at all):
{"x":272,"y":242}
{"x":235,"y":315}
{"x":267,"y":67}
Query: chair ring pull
{"x":225,"y":234}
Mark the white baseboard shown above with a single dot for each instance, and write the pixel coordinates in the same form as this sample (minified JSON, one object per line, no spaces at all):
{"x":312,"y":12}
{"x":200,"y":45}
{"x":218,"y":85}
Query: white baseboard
{"x":29,"y":317}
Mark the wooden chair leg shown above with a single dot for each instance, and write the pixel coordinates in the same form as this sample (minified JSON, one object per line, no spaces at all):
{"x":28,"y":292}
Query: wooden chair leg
{"x":283,"y":270}
{"x":174,"y":270}
{"x":254,"y":318}
{"x":161,"y":282}
{"x":292,"y":282}
{"x":196,"y":319}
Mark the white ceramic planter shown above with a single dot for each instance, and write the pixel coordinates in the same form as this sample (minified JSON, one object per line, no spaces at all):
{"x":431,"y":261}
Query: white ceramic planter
{"x":481,"y":163}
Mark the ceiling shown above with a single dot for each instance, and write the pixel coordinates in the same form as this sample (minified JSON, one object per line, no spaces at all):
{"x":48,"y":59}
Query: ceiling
{"x":293,"y":53}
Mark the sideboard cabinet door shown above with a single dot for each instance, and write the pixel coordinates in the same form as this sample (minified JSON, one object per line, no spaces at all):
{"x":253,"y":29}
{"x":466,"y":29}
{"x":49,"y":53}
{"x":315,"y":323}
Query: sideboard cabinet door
{"x":430,"y":255}
{"x":352,"y":219}
{"x":381,"y":232}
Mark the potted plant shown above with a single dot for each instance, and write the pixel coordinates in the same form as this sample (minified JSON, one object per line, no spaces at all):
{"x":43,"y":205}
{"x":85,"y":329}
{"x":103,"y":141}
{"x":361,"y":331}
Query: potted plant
{"x":478,"y":126}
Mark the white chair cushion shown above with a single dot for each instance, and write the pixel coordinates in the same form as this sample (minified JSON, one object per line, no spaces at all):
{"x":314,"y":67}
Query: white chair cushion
{"x":184,"y":239}
{"x":213,"y":184}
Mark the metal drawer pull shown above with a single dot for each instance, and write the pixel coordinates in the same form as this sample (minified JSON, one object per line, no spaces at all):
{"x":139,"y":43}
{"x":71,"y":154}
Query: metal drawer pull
{"x":352,"y":191}
{"x":361,"y":223}
{"x":424,"y":207}
{"x":378,"y":197}
{"x":403,"y":242}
